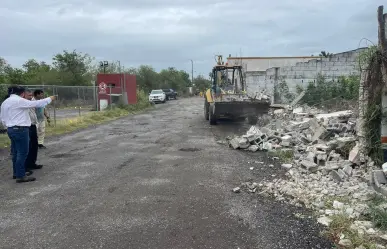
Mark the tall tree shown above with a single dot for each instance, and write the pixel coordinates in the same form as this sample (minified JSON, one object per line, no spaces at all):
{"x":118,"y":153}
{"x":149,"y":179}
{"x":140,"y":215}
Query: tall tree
{"x":73,"y":67}
{"x":202,"y":83}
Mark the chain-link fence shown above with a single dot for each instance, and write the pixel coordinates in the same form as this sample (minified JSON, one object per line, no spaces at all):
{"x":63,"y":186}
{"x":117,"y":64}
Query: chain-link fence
{"x":72,"y":101}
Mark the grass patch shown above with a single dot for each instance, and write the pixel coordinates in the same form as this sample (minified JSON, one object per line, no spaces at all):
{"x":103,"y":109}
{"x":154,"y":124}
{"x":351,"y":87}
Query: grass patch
{"x":72,"y":124}
{"x":76,"y":123}
{"x":341,"y":225}
{"x":285,"y":156}
{"x":4,"y":141}
{"x":378,"y":213}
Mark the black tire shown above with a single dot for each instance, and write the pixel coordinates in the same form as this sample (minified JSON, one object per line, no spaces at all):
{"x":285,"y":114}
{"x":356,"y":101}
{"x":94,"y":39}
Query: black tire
{"x":252,"y":120}
{"x":175,"y":97}
{"x":206,"y":110}
{"x":165,"y":100}
{"x":212,"y":117}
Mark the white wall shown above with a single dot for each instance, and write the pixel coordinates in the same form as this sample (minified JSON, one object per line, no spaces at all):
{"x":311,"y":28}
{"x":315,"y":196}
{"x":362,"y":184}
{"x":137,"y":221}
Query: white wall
{"x":297,"y":70}
{"x":263,"y":63}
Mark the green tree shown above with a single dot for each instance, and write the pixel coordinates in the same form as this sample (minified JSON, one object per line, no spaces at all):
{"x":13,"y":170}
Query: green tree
{"x":3,"y":75}
{"x":201,"y":83}
{"x":325,"y":54}
{"x":73,"y":67}
{"x":147,"y":78}
{"x":78,"y":69}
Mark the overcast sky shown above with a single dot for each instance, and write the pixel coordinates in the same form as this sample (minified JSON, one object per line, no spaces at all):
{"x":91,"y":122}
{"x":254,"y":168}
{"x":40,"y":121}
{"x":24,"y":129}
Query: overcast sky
{"x":166,"y":33}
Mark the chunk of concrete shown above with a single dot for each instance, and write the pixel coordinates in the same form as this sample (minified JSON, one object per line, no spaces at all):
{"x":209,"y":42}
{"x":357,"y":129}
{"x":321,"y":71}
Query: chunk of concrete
{"x":345,"y":242}
{"x":379,"y":178}
{"x":236,"y":190}
{"x":234,"y":143}
{"x":338,"y":205}
{"x":324,"y":220}
{"x":253,"y":148}
{"x":337,"y":175}
{"x":266,"y":146}
{"x":311,"y":166}
{"x":354,"y":155}
{"x":253,"y":134}
{"x":298,"y":110}
{"x":243,"y":143}
{"x":332,"y":165}
{"x":286,"y":165}
{"x":348,"y":170}
{"x":319,"y":133}
{"x":286,"y":140}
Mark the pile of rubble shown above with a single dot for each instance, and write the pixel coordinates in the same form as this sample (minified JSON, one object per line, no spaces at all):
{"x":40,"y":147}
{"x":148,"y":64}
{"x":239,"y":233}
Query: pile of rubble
{"x":324,"y":143}
{"x":326,"y":164}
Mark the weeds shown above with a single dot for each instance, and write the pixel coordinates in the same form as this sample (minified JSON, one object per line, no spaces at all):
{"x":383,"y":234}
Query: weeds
{"x":341,"y":226}
{"x":378,"y":213}
{"x":285,"y":156}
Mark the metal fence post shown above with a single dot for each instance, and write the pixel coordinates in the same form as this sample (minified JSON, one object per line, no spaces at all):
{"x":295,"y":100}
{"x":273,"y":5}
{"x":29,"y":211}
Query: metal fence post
{"x":54,"y":93}
{"x":110,"y":97}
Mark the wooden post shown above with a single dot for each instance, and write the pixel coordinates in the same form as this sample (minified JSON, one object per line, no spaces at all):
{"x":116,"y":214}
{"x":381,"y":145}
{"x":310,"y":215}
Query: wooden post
{"x":382,"y":44}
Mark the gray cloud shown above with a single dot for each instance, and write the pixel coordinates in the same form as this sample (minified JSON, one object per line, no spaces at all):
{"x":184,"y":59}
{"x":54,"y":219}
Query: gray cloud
{"x":166,"y":33}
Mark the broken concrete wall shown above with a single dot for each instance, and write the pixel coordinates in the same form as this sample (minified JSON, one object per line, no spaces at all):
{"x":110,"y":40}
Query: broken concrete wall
{"x":301,"y":73}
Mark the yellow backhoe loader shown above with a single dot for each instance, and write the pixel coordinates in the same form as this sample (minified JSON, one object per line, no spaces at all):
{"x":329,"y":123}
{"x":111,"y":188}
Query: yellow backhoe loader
{"x":227,"y":97}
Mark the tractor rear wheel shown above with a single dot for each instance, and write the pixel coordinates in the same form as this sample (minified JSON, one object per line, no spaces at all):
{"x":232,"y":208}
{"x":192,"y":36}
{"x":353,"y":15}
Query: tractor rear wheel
{"x":212,"y":116}
{"x":206,"y":110}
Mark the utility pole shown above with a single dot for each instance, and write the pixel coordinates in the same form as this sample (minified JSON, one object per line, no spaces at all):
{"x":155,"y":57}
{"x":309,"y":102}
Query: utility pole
{"x":121,"y":83}
{"x":192,"y":78}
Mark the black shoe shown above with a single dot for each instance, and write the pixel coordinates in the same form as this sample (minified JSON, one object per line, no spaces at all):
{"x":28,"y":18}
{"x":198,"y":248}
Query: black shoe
{"x":25,"y":179}
{"x":36,"y":166}
{"x":41,"y":146}
{"x":28,"y":173}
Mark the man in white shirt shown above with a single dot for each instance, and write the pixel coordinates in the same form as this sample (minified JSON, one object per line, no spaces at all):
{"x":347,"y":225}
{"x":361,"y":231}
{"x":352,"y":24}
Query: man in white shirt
{"x":14,"y":116}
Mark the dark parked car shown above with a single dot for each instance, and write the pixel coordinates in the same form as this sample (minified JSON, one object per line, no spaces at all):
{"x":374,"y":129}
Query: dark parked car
{"x":171,"y":94}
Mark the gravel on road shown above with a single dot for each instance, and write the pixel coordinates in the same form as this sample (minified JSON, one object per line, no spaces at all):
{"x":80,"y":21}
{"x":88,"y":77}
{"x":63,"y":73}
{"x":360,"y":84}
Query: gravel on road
{"x":154,"y":180}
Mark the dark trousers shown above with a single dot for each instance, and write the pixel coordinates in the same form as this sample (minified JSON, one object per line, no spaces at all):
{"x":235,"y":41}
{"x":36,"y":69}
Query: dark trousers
{"x":33,"y":148}
{"x":20,"y":139}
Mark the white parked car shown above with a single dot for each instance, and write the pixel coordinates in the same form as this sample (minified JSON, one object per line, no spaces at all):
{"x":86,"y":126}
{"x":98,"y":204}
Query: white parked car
{"x":157,"y":96}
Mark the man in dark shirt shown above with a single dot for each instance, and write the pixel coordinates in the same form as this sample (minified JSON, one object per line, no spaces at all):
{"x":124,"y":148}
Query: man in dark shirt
{"x":33,"y":148}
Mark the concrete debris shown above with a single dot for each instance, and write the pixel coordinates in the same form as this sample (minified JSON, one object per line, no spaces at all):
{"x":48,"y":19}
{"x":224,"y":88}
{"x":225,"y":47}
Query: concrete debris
{"x":384,"y":168}
{"x":345,"y":242}
{"x":323,"y":164}
{"x":324,"y":220}
{"x":286,"y":165}
{"x":236,"y":190}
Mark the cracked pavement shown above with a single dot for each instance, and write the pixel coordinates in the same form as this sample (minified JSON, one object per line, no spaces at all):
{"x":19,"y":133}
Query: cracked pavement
{"x":158,"y":179}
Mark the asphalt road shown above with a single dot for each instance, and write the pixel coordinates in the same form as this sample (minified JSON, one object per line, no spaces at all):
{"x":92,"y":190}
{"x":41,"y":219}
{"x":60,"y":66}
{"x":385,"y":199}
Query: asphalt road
{"x":155,"y":180}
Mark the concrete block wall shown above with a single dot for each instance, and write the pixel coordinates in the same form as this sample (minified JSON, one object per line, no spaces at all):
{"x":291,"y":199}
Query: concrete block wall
{"x":301,"y":73}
